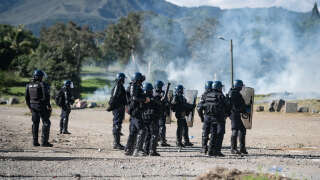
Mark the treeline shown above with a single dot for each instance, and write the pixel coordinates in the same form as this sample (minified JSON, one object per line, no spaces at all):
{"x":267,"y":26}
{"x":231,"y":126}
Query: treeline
{"x":62,"y":49}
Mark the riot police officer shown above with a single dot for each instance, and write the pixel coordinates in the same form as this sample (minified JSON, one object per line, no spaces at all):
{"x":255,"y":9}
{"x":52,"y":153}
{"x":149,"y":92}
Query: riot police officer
{"x":206,"y":124}
{"x":117,"y":104}
{"x":237,"y":107}
{"x":181,"y":109}
{"x":215,"y":106}
{"x":38,"y":101}
{"x":135,"y":109}
{"x":65,"y":99}
{"x":159,"y":93}
{"x":150,"y":116}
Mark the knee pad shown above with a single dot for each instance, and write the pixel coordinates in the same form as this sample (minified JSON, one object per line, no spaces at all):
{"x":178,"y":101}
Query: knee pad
{"x":242,"y":133}
{"x":234,"y":133}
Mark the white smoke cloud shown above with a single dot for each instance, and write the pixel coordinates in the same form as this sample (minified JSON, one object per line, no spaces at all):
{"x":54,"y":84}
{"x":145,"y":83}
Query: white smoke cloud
{"x":294,"y":5}
{"x":269,"y":55}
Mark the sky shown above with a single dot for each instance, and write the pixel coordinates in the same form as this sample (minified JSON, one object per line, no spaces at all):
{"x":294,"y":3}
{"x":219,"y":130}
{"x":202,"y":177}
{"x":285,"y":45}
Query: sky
{"x":293,"y":5}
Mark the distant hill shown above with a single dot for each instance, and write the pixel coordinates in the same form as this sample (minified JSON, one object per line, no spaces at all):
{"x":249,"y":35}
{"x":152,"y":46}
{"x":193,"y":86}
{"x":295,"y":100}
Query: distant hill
{"x":268,"y":42}
{"x":99,"y":13}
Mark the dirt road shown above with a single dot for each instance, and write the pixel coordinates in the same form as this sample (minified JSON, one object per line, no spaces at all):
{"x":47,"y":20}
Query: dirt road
{"x":285,"y":144}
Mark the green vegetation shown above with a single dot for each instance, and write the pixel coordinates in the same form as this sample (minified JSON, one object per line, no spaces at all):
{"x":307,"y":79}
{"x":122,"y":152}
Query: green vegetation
{"x":60,"y":52}
{"x":15,"y":42}
{"x":260,"y":97}
{"x":123,"y":38}
{"x":256,"y":177}
{"x":12,"y":85}
{"x":88,"y":86}
{"x":88,"y":70}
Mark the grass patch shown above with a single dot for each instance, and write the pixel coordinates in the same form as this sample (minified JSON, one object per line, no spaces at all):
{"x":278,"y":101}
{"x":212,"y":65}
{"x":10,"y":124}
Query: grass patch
{"x":261,"y":97}
{"x":85,"y":70}
{"x":254,"y":177}
{"x":89,"y":86}
{"x":13,"y":85}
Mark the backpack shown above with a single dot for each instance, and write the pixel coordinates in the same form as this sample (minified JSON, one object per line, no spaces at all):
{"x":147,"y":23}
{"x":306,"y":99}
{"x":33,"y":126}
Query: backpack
{"x":112,"y":102}
{"x":58,"y":99}
{"x":214,"y":104}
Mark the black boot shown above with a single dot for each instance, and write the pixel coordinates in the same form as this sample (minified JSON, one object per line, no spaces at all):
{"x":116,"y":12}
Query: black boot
{"x":179,"y":142}
{"x":162,"y":137}
{"x":146,"y":146}
{"x":65,"y":126}
{"x":219,"y":145}
{"x":138,"y":151}
{"x":212,"y":151}
{"x":234,"y":149}
{"x":188,"y":143}
{"x":35,"y":130}
{"x":204,"y":148}
{"x":164,"y":144}
{"x":179,"y":139}
{"x":242,"y":139}
{"x":130,"y":145}
{"x":116,"y":142}
{"x":153,"y":151}
{"x":45,"y":136}
{"x":186,"y":136}
{"x":61,"y":125}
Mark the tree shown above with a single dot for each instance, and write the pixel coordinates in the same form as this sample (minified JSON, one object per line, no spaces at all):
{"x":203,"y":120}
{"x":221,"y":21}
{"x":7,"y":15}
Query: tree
{"x":62,"y":51}
{"x":14,"y":42}
{"x":123,"y":38}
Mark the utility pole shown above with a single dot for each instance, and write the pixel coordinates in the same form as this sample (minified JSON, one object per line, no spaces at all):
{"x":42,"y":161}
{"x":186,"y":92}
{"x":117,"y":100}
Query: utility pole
{"x":231,"y":54}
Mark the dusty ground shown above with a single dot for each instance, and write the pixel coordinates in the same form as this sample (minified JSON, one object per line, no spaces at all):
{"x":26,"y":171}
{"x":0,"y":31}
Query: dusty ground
{"x":284,"y":144}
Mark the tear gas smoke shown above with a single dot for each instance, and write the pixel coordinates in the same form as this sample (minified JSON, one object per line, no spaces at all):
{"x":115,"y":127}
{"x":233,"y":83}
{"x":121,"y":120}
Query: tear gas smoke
{"x":271,"y":53}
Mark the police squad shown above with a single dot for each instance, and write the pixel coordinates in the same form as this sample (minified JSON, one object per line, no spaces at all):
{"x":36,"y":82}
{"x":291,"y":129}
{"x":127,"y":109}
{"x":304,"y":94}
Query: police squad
{"x":148,"y":107}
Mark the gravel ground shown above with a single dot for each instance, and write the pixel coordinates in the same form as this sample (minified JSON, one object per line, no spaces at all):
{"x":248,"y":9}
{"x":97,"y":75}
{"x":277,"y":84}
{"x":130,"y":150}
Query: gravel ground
{"x":284,"y":144}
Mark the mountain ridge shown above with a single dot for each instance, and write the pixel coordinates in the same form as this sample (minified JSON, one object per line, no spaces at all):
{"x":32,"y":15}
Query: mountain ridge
{"x":98,"y":14}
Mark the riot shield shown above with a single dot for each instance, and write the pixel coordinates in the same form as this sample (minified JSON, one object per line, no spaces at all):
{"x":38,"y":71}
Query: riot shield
{"x":191,"y":96}
{"x":169,"y":111}
{"x":248,"y":96}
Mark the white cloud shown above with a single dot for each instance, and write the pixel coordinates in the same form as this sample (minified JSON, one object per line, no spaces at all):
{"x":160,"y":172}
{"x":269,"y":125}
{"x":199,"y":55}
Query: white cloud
{"x":294,"y":5}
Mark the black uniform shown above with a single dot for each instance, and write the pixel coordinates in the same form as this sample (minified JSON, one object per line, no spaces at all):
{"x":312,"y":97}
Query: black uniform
{"x":237,"y":107}
{"x":137,"y":128}
{"x":150,"y":116}
{"x":181,"y":109}
{"x":38,"y":100}
{"x":214,"y":106}
{"x":158,"y":94}
{"x":117,"y":103}
{"x":206,"y":124}
{"x":65,"y":100}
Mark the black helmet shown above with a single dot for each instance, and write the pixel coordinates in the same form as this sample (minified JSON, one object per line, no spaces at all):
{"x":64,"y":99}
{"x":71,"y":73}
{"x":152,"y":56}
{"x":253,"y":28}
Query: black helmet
{"x":147,"y":87}
{"x":217,"y":85}
{"x":38,"y":75}
{"x":138,"y":77}
{"x":179,"y":89}
{"x":158,"y":85}
{"x":121,"y":76}
{"x":238,"y":83}
{"x":208,"y":85}
{"x":68,"y":84}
